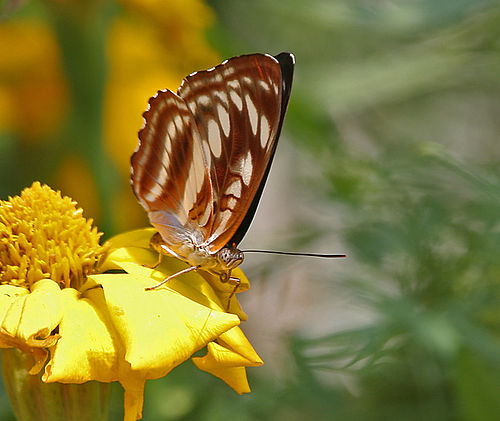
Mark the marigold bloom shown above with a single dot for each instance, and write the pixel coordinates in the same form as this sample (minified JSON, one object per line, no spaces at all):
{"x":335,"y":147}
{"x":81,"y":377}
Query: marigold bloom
{"x":54,"y":297}
{"x":44,"y":235}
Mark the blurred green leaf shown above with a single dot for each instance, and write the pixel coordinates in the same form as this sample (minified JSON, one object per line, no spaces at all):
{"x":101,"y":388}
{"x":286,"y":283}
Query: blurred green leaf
{"x":477,"y":385}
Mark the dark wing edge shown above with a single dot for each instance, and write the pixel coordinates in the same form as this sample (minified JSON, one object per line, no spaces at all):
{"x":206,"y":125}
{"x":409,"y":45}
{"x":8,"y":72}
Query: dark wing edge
{"x":287,"y":62}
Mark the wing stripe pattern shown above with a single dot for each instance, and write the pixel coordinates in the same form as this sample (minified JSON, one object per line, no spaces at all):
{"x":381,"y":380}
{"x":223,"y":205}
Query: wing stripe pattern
{"x":239,"y":125}
{"x":169,"y":173}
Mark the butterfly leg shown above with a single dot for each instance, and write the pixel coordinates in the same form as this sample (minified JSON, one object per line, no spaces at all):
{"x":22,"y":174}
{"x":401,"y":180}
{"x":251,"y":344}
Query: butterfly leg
{"x":155,"y":243}
{"x":189,"y":269}
{"x":236,"y":282}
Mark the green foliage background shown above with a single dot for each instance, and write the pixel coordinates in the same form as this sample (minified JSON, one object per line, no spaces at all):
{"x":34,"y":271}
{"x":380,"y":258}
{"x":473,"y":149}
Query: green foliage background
{"x":397,"y":104}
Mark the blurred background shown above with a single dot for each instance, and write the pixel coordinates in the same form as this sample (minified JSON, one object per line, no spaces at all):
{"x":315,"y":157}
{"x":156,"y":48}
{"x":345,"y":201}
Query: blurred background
{"x":390,"y":153}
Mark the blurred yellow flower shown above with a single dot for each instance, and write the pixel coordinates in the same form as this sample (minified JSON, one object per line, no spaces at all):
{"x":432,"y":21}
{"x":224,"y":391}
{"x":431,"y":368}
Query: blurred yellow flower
{"x":150,"y":45}
{"x":105,"y":326}
{"x":32,"y":86}
{"x":74,"y":175}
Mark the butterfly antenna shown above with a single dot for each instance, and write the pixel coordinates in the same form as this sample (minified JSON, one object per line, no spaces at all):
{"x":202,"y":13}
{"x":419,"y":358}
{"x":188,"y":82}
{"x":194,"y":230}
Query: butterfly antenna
{"x":292,"y":253}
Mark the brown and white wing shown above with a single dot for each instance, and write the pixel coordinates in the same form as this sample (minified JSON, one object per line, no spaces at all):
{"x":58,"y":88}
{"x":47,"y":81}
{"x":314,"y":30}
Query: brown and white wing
{"x":170,"y":176}
{"x":237,"y":108}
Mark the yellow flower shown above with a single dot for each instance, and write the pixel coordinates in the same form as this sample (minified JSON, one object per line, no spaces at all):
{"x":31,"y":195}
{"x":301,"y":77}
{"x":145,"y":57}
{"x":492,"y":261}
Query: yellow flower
{"x":150,"y":49}
{"x":32,"y":88}
{"x":230,"y":353}
{"x":105,"y":326}
{"x":44,"y":235}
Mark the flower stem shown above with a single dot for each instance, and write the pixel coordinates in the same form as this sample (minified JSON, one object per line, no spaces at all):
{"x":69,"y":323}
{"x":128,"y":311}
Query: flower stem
{"x":33,"y":400}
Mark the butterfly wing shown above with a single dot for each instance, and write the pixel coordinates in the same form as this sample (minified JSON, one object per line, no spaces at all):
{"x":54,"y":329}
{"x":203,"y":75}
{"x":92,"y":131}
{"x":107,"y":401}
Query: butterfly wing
{"x":170,"y":175}
{"x":239,"y":107}
{"x":286,"y":62}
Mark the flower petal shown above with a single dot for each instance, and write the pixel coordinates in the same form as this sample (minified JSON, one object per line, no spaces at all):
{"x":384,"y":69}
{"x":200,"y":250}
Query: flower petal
{"x":228,"y":358}
{"x":236,"y":341}
{"x":42,"y":311}
{"x":131,"y":251}
{"x":223,"y":363}
{"x":35,"y":315}
{"x":89,"y":347}
{"x":191,"y":285}
{"x":160,"y":328}
{"x":138,"y":238}
{"x":29,"y":319}
{"x":9,"y":293}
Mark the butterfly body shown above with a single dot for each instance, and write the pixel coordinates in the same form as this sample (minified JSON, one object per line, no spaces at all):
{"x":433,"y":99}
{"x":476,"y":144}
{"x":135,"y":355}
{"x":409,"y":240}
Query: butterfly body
{"x":219,"y":263}
{"x":204,"y":155}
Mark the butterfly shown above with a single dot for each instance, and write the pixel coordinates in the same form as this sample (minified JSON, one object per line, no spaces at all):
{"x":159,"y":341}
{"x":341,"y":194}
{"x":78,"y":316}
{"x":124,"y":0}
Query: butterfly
{"x":204,"y":155}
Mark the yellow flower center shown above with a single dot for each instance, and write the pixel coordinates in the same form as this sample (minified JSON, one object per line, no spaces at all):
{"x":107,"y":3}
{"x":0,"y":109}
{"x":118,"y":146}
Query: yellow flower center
{"x":44,"y":235}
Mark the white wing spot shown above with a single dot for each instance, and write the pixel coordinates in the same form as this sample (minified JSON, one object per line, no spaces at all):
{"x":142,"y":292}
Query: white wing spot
{"x":234,"y":84}
{"x":171,"y":133}
{"x":264,"y":85}
{"x":236,"y":100}
{"x":224,"y":119}
{"x":231,"y":202}
{"x":204,"y":218}
{"x":214,"y":137}
{"x":246,"y":168}
{"x":246,"y":80}
{"x":275,"y":86}
{"x":178,"y":122}
{"x":146,"y":147}
{"x":191,"y":187}
{"x":264,"y":131}
{"x":221,"y":96}
{"x":252,"y":113}
{"x":224,"y":218}
{"x":154,"y":118}
{"x":164,"y":161}
{"x":168,"y":145}
{"x":234,"y":188}
{"x":198,"y":165}
{"x":171,"y":129}
{"x":161,"y":178}
{"x":204,"y":100}
{"x":228,"y":71}
{"x":153,"y":194}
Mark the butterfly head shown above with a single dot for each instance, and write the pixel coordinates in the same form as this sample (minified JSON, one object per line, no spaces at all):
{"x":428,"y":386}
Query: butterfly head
{"x":229,"y":257}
